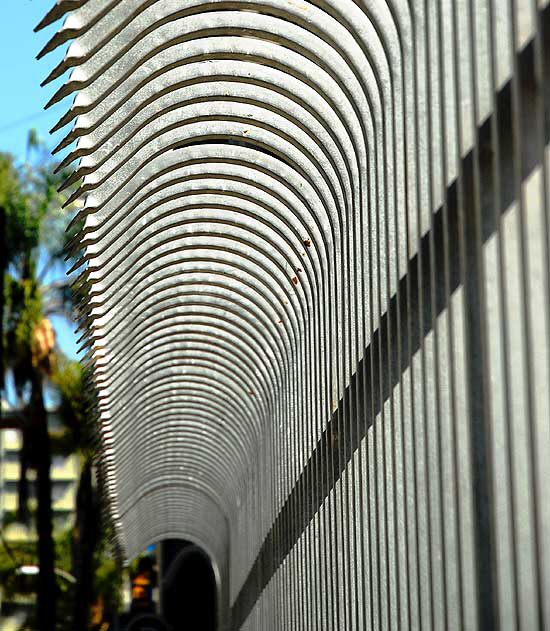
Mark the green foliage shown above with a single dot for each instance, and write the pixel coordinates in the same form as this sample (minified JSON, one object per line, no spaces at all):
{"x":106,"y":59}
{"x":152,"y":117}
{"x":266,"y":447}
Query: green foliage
{"x":26,"y":197}
{"x":34,"y":243}
{"x":68,"y":377}
{"x":22,"y":313}
{"x":33,"y":209}
{"x":63,"y":551}
{"x":108,"y":584}
{"x":23,"y":552}
{"x":17,"y":553}
{"x":22,"y":218}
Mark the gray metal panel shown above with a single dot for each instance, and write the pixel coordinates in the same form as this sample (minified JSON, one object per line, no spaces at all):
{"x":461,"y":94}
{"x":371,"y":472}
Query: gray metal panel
{"x":317,"y":298}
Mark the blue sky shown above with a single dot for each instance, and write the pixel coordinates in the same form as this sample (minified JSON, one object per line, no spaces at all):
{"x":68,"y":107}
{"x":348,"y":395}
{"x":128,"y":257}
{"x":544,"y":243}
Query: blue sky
{"x":22,"y":100}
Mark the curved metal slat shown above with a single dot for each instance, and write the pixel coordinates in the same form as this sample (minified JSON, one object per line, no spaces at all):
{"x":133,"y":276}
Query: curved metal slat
{"x":315,"y":298}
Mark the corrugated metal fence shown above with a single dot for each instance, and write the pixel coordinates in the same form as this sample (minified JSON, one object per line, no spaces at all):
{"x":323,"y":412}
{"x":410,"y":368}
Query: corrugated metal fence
{"x":316,"y":247}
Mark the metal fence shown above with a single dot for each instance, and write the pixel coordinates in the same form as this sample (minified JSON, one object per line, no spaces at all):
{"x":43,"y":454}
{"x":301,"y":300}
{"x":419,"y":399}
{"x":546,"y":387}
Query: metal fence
{"x":317,"y":274}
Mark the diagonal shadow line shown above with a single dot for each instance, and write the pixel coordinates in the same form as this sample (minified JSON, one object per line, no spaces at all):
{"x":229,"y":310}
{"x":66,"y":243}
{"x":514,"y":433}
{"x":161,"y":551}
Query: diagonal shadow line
{"x":331,"y":455}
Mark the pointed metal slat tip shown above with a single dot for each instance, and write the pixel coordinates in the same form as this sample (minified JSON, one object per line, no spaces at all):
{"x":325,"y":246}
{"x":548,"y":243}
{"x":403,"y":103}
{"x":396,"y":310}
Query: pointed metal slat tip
{"x":51,"y":16}
{"x":69,"y":138}
{"x":81,"y":338}
{"x":82,"y":331}
{"x":73,"y":248}
{"x":77,"y":265}
{"x":83,"y":347}
{"x":72,"y":254}
{"x":72,"y":243}
{"x":48,"y":19}
{"x":63,"y":91}
{"x":58,"y":39}
{"x":73,"y":197}
{"x":64,"y":184}
{"x":56,"y":73}
{"x":82,"y":321}
{"x":81,"y":214}
{"x":58,"y":167}
{"x":64,"y":120}
{"x":58,"y":11}
{"x":71,"y":157}
{"x":52,"y":101}
{"x":72,"y":179}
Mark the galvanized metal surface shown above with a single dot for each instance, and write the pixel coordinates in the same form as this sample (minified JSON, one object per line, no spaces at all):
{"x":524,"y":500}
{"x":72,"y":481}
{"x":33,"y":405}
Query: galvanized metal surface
{"x":316,"y":264}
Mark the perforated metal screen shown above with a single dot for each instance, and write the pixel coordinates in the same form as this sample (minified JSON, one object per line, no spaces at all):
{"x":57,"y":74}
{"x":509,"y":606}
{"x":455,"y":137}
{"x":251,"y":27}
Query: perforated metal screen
{"x":316,"y":264}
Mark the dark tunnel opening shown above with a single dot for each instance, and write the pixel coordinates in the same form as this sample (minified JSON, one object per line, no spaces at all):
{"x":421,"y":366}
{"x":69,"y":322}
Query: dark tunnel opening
{"x":188,"y":587}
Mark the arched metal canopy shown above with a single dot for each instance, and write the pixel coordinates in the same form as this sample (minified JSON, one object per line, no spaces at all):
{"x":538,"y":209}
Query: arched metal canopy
{"x":300,"y":281}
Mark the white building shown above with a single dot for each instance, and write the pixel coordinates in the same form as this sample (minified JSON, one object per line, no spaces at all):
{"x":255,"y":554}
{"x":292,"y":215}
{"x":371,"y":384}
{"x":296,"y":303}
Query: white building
{"x":64,"y":476}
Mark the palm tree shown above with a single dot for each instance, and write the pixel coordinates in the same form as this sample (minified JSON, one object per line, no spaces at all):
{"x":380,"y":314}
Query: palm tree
{"x":70,"y":379}
{"x":31,"y":216}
